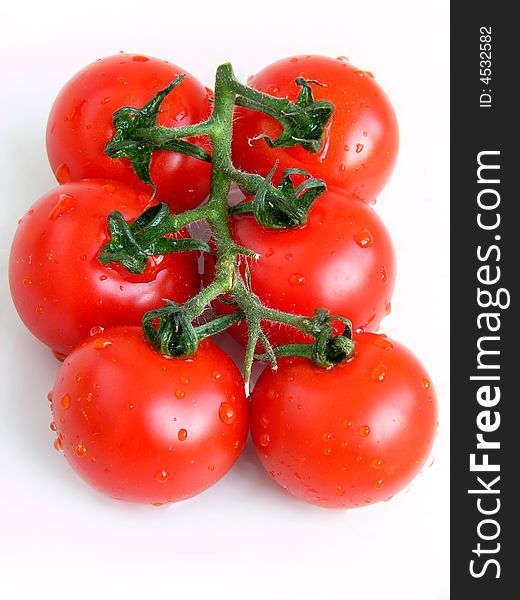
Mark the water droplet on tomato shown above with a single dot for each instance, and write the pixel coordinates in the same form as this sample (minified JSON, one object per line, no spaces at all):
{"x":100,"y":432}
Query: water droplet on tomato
{"x":327,"y":451}
{"x":271,"y":89}
{"x":370,"y":74}
{"x":342,"y":167}
{"x":53,"y":426}
{"x":109,"y":188}
{"x":378,"y":484}
{"x":359,"y":148}
{"x":92,"y":459}
{"x":383,"y":343}
{"x":347,"y":423}
{"x":161,"y":476}
{"x":376,"y":463}
{"x":182,"y":435}
{"x":65,"y":402}
{"x":62,"y":173}
{"x":105,"y":100}
{"x":326,"y":436}
{"x":363,"y":238}
{"x":227,"y":413}
{"x":139,"y":58}
{"x":264,"y":439}
{"x":97,"y":329}
{"x":58,"y":445}
{"x":27,"y":282}
{"x":360,"y":73}
{"x":64,"y":205}
{"x":122,"y":80}
{"x":264,"y":421}
{"x":368,"y":500}
{"x":384,"y":274}
{"x":342,"y":58}
{"x":211,"y":467}
{"x":269,"y":252}
{"x":426,"y":382}
{"x":80,"y":450}
{"x":39,"y":310}
{"x":179,"y":394}
{"x":184,"y":380}
{"x":388,"y":308}
{"x":273,"y":394}
{"x":101,"y":343}
{"x":379,"y":372}
{"x":390,"y":469}
{"x":296,"y":279}
{"x":294,"y":59}
{"x":217,"y":374}
{"x":364,"y":430}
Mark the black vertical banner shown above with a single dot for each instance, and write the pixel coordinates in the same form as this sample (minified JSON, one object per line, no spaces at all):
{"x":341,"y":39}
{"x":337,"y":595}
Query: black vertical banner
{"x":485,"y":330}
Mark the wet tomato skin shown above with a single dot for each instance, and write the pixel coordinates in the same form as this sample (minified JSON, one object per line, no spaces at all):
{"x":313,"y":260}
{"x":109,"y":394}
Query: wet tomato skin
{"x":142,"y":427}
{"x":348,"y":436}
{"x":361,"y":141}
{"x":81,"y":123}
{"x":59,"y":287}
{"x":343,"y":260}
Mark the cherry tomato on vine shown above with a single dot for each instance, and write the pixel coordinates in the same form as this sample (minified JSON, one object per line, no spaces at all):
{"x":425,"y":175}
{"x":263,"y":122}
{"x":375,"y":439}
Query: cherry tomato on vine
{"x":80,"y":124}
{"x":143,"y":427}
{"x":59,"y":287}
{"x":348,"y":436}
{"x":342,"y":260}
{"x":361,"y":141}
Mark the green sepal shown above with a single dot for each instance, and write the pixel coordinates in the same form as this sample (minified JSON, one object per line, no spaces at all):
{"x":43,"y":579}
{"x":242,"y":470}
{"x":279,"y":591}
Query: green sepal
{"x":171,"y":332}
{"x":304,"y":122}
{"x":327,"y":349}
{"x":132,"y":243}
{"x":174,"y":335}
{"x":285,"y":206}
{"x":126,"y":144}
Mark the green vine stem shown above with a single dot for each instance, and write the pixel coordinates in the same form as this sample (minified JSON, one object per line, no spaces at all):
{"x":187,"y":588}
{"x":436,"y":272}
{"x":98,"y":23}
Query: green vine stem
{"x":174,"y":329}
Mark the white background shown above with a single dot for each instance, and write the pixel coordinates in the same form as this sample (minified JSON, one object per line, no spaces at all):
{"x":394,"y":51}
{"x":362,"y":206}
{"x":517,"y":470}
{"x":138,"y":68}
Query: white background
{"x":245,"y":537}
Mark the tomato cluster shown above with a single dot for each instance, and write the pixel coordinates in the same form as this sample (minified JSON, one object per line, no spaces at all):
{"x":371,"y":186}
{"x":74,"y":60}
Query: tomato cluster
{"x":140,"y":425}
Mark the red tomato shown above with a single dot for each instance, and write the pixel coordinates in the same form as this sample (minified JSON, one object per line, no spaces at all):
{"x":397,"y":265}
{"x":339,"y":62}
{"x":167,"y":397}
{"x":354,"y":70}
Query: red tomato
{"x":348,"y":436}
{"x":342,"y":259}
{"x":59,"y":287}
{"x":361,"y":140}
{"x":80,"y":124}
{"x":143,"y":427}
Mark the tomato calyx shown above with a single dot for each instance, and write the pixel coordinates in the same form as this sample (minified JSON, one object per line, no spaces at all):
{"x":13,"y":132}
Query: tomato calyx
{"x":329,"y":347}
{"x":133,"y":243}
{"x":132,"y":142}
{"x":287,"y":209}
{"x":303,"y":122}
{"x":171,"y":332}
